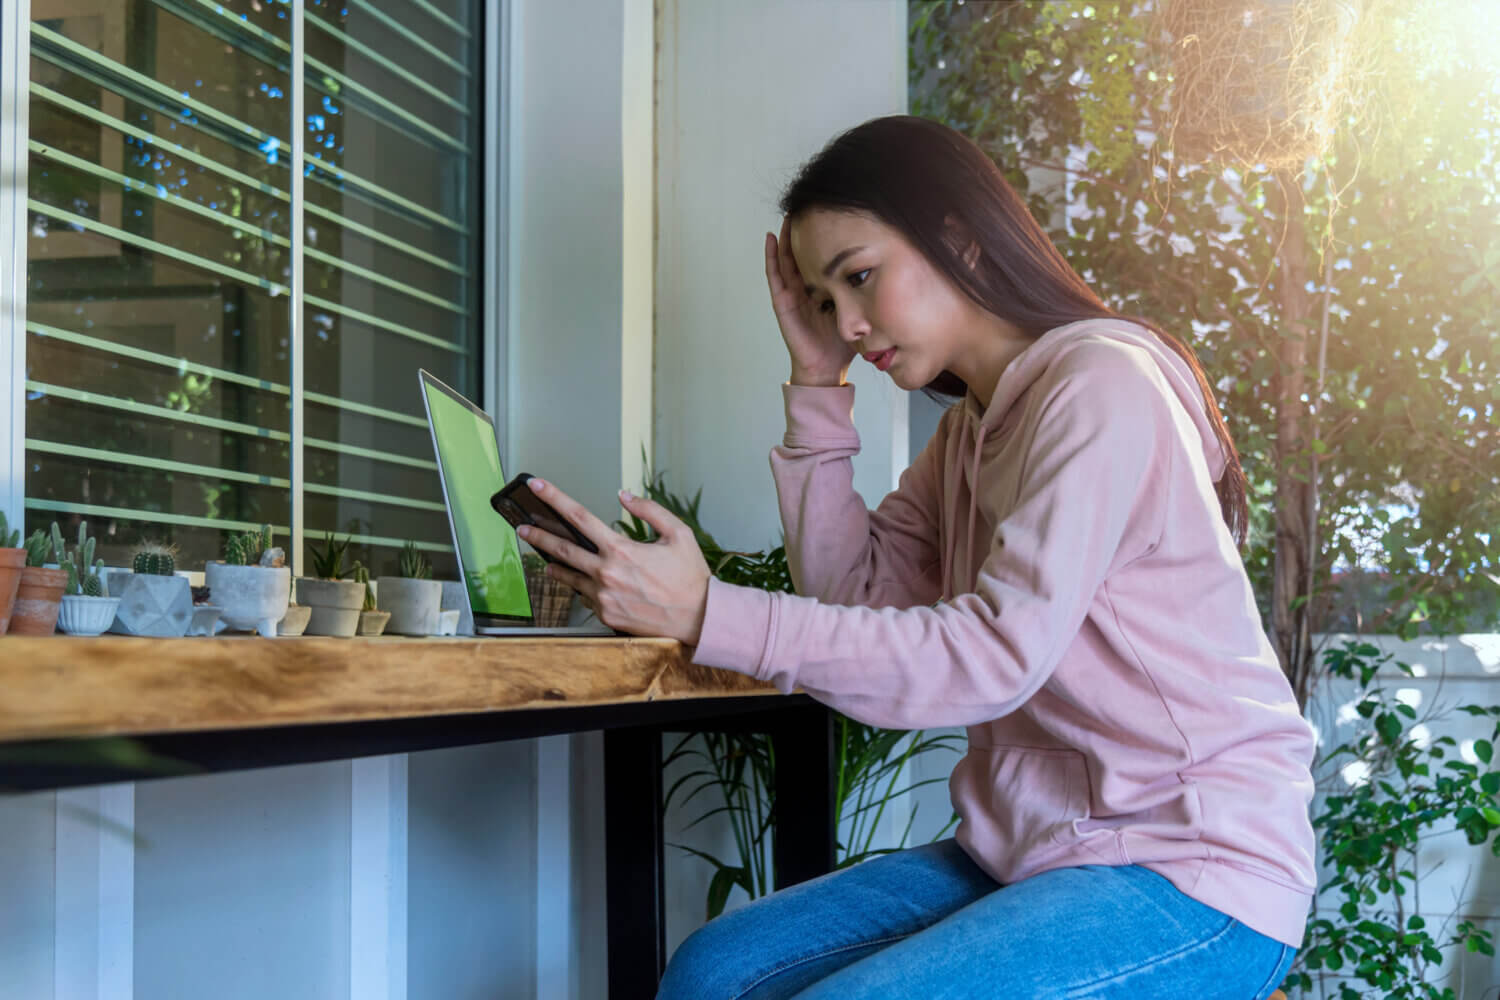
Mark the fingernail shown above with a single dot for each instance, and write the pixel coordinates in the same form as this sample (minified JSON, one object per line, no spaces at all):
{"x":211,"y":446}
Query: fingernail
{"x":627,"y":496}
{"x":536,"y":484}
{"x":524,"y":531}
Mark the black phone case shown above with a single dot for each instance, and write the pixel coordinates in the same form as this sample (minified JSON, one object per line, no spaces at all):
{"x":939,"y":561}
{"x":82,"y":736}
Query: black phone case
{"x":518,"y":504}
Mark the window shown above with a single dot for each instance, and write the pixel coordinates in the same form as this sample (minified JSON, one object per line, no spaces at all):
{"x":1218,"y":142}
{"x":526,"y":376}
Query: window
{"x":163,"y":195}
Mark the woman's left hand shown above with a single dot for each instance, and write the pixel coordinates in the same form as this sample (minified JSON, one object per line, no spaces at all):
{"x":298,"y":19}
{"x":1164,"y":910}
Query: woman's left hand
{"x":660,"y":588}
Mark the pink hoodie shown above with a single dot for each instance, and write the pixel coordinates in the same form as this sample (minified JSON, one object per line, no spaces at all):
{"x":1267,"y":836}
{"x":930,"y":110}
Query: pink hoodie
{"x":1097,"y":633}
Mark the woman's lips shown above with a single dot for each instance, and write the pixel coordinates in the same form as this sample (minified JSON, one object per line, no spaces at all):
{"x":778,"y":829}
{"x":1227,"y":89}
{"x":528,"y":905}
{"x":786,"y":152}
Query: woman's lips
{"x":882,"y":359}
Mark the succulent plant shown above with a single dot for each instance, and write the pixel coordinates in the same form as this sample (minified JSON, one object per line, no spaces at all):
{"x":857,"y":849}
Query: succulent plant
{"x":37,"y":548}
{"x":9,"y":539}
{"x":81,"y":566}
{"x":359,"y":574}
{"x":328,"y":562}
{"x":155,"y":559}
{"x":245,"y":549}
{"x":414,"y":563}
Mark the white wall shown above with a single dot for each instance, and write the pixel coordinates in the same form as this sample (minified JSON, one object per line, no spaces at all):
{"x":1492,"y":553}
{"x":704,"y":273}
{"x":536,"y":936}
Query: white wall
{"x":748,"y":92}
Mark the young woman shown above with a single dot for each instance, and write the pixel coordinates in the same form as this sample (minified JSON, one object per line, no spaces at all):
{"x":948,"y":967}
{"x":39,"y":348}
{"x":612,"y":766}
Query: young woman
{"x":1058,"y":571}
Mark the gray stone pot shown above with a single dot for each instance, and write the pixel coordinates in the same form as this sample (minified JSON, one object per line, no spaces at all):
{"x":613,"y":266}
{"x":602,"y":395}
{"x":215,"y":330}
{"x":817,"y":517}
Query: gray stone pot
{"x":413,"y":604}
{"x":373,"y":623}
{"x":335,"y":605}
{"x":160,"y":606}
{"x":82,"y":615}
{"x":295,"y":622}
{"x":252,"y":598}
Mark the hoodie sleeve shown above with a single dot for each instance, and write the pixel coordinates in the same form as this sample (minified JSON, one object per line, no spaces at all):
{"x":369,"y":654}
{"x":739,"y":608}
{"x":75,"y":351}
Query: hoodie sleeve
{"x":837,"y":550}
{"x":1096,"y":448}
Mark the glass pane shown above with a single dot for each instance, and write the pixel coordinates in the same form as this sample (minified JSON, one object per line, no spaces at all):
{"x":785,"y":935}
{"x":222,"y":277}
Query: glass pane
{"x":158,"y":254}
{"x":393,"y":236}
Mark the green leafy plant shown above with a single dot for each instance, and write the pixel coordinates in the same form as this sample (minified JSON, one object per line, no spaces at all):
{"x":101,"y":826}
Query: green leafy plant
{"x":246,"y":548}
{"x":155,"y":559}
{"x":328,"y":561}
{"x":79,"y":563}
{"x":741,"y":767}
{"x":38,"y":546}
{"x":9,"y":539}
{"x":1400,"y":789}
{"x":359,"y":574}
{"x":414,"y":565}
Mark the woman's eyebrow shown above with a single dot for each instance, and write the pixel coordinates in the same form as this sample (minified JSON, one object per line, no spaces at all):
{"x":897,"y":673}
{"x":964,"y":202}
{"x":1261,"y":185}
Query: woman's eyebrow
{"x":838,"y":259}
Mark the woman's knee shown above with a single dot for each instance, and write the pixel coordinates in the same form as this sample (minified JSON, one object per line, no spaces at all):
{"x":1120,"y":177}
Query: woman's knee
{"x":707,"y":965}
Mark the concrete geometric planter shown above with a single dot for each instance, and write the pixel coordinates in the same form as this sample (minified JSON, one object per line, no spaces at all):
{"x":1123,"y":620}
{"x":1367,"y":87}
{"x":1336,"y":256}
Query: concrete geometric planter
{"x":81,"y":615}
{"x":160,"y":606}
{"x":335,"y":605}
{"x":456,"y":598}
{"x":413,"y":604}
{"x":252,"y":598}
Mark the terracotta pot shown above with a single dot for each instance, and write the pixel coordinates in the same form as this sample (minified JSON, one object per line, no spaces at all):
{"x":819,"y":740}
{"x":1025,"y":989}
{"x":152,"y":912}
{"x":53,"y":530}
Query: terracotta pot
{"x":12,"y":562}
{"x":38,"y":601}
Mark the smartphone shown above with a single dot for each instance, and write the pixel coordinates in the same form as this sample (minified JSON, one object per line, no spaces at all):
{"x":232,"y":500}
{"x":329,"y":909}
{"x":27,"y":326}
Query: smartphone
{"x":519,"y":504}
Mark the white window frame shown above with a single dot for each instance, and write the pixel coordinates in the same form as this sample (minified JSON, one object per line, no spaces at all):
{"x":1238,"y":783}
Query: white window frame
{"x":15,"y":55}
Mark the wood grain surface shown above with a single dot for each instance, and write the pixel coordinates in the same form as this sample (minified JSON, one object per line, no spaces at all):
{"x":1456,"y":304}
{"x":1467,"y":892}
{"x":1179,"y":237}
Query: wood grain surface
{"x":59,"y":686}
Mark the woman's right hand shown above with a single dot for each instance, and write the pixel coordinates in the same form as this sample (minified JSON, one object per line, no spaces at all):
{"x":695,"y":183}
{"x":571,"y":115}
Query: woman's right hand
{"x":819,"y":355}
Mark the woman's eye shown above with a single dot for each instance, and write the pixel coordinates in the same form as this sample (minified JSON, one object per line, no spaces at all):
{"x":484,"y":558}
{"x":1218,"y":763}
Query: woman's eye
{"x":859,"y":277}
{"x":826,"y":306}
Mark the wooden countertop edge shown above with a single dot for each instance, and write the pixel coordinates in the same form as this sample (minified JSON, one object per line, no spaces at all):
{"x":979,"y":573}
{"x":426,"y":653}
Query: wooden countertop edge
{"x":70,"y":687}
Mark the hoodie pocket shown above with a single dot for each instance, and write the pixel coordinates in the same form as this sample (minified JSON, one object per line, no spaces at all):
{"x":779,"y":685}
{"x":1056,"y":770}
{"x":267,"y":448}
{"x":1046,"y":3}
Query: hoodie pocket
{"x":1023,"y":804}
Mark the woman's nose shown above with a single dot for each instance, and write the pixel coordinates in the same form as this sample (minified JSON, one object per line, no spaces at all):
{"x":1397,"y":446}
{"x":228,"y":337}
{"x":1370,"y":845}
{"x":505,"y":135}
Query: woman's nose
{"x":852,"y":325}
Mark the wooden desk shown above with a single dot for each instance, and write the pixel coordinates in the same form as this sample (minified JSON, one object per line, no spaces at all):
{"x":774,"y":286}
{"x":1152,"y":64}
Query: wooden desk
{"x":202,"y":705}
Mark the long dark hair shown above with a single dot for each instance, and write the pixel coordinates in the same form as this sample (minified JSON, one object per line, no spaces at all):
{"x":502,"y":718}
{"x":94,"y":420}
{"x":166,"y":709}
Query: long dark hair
{"x":944,"y":194}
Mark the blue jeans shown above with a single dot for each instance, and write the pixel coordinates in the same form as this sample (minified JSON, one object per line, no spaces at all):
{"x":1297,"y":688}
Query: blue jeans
{"x":927,"y":923}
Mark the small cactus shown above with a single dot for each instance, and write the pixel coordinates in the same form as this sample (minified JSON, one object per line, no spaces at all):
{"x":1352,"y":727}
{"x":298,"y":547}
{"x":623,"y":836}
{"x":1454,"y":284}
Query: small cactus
{"x":244,"y":549}
{"x":154,"y":559}
{"x":37,"y":547}
{"x":361,"y":575}
{"x":81,"y":566}
{"x":414,"y":564}
{"x":9,"y":539}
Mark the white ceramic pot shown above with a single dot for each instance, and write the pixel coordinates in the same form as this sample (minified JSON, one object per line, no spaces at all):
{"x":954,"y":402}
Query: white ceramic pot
{"x":252,"y":598}
{"x":82,"y":615}
{"x":205,"y":620}
{"x":335,"y":605}
{"x":413,"y":604}
{"x":295,"y":622}
{"x":151,"y":605}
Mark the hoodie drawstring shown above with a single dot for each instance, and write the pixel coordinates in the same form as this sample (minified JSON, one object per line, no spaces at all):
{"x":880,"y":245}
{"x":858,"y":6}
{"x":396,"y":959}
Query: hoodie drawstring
{"x":952,"y":546}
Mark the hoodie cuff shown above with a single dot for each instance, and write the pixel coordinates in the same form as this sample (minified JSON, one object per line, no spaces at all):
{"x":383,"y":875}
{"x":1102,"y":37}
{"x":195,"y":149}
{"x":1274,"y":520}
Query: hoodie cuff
{"x":736,"y":628}
{"x":819,"y":416}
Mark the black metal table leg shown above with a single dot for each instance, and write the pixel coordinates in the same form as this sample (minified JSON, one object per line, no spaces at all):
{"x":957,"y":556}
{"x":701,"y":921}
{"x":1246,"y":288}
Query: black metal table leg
{"x":636,"y":901}
{"x":806,"y":835}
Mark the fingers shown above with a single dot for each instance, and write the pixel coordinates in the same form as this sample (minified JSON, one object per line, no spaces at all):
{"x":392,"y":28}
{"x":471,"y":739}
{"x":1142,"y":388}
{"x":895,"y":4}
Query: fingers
{"x":790,"y":277}
{"x":667,"y":524}
{"x":773,"y":266}
{"x":575,"y":513}
{"x":559,"y":548}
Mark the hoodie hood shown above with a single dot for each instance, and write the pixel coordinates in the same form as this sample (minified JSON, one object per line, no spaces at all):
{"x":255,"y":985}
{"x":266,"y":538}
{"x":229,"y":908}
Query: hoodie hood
{"x":1028,"y":366}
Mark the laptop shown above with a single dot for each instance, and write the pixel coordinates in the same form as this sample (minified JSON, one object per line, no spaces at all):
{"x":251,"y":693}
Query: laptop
{"x":489,"y":557}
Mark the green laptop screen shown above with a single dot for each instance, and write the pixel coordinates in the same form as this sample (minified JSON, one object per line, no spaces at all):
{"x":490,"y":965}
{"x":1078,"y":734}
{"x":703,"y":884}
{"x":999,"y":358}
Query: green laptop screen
{"x":487,"y":545}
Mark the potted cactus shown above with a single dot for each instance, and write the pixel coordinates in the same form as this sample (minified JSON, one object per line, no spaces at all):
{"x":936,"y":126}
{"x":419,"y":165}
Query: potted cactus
{"x":12,"y":563}
{"x":372,"y":621}
{"x":335,"y":602}
{"x":154,"y":600}
{"x":413,"y":598}
{"x":252,"y":585}
{"x":87,"y":608}
{"x":39,"y":596}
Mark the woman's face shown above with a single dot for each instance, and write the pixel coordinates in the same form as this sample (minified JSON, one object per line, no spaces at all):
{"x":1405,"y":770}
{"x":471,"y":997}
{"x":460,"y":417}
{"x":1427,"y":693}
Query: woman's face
{"x":882,"y":293}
